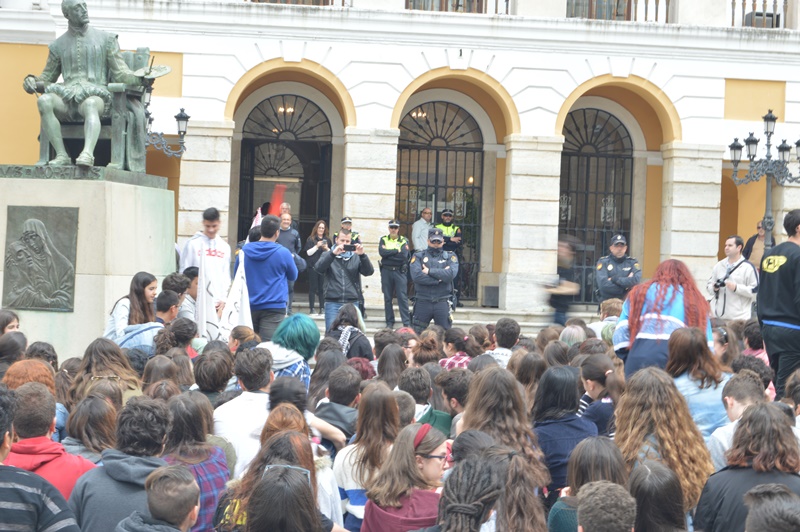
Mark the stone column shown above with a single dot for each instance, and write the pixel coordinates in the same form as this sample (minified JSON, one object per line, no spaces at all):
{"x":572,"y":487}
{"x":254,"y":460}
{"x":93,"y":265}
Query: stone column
{"x":530,"y":233}
{"x":690,"y":206}
{"x":370,"y":183}
{"x":205,"y":177}
{"x":784,"y":199}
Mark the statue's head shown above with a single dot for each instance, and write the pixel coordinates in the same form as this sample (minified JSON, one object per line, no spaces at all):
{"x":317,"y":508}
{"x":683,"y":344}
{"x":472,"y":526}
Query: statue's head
{"x":75,"y":11}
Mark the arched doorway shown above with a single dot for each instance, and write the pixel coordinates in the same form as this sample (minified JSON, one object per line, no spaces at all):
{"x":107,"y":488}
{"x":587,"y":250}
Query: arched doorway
{"x":440,"y":165}
{"x":596,"y":196}
{"x":286,"y":139}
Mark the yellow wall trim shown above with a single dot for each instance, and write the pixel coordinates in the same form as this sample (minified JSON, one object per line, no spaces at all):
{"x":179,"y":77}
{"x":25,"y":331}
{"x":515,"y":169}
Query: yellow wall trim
{"x":654,"y":96}
{"x":470,"y":78}
{"x":749,"y":99}
{"x":306,"y":71}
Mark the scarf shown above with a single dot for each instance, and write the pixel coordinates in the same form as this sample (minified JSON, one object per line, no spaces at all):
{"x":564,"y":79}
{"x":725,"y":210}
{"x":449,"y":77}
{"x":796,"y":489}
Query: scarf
{"x":344,"y":338}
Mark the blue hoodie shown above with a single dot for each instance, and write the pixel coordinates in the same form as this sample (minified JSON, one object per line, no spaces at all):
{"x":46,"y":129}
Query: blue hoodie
{"x":267,"y":267}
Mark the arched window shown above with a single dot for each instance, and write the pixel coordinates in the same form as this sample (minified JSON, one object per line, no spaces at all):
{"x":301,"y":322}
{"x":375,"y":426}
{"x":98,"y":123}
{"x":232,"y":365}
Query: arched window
{"x":596,"y":188}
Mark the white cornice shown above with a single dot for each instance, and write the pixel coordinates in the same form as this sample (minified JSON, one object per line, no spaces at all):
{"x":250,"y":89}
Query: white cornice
{"x":26,"y":26}
{"x":275,"y":21}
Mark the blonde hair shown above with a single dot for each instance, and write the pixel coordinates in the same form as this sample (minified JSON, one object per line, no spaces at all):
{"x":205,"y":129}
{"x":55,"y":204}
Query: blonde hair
{"x":652,"y":407}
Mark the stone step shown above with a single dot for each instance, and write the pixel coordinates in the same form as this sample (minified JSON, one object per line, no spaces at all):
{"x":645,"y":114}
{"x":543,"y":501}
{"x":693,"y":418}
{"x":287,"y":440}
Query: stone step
{"x":465,"y":317}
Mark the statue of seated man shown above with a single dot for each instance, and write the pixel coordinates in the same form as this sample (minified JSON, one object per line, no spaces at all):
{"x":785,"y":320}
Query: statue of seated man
{"x":88,"y":59}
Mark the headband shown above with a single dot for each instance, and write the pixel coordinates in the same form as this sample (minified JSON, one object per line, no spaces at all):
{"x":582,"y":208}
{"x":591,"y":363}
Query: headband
{"x":421,"y":433}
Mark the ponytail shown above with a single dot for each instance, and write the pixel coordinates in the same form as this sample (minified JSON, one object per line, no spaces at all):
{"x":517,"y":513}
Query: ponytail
{"x":601,"y":369}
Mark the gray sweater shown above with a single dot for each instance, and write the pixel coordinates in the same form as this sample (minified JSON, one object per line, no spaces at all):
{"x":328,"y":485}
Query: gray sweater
{"x":106,"y":495}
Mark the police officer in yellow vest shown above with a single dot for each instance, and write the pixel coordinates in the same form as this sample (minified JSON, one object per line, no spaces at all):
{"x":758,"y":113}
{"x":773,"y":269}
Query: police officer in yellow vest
{"x":394,"y":251}
{"x":452,"y":243}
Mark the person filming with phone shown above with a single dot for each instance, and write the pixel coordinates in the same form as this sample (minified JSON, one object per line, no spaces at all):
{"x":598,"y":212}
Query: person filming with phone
{"x":343,"y":267}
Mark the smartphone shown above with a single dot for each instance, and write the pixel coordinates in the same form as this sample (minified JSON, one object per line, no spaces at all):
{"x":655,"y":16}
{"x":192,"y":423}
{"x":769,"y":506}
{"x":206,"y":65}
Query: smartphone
{"x":349,"y":247}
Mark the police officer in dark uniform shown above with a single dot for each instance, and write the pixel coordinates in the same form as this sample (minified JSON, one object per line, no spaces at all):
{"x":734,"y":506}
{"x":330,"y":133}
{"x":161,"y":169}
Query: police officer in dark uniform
{"x":452,"y":242}
{"x":394,"y":251}
{"x":347,"y":227}
{"x":433,"y":271}
{"x":616,"y":272}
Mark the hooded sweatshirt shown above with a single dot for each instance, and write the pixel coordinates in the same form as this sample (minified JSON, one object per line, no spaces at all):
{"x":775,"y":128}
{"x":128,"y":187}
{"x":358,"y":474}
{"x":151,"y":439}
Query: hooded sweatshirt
{"x":106,"y":495}
{"x":288,"y":363}
{"x":419,"y":509}
{"x":217,"y":262}
{"x":267,"y":267}
{"x":50,"y":461}
{"x":139,"y":522}
{"x":76,"y":447}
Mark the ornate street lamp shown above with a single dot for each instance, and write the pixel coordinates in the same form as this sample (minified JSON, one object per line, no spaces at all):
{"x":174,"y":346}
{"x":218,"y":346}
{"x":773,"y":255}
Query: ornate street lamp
{"x":768,"y":167}
{"x":158,"y":141}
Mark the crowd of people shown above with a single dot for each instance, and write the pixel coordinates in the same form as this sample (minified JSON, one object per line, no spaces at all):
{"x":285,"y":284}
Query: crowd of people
{"x":658,"y":416}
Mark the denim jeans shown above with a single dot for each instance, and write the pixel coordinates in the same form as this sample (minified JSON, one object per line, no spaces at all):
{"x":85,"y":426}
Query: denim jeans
{"x":331,"y":310}
{"x":266,"y":321}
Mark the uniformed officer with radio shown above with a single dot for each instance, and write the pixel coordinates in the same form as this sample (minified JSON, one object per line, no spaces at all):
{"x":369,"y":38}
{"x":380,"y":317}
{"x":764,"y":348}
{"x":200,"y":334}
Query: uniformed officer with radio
{"x":452,"y":243}
{"x":347,"y":227}
{"x":433,"y":271}
{"x":617,"y":273}
{"x":394,"y":250}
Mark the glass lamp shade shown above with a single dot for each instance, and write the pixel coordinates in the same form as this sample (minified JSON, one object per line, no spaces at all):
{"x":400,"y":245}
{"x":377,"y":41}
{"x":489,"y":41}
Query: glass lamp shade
{"x":783,"y":151}
{"x":752,"y":146}
{"x":736,"y":150}
{"x":183,"y":122}
{"x":769,"y":122}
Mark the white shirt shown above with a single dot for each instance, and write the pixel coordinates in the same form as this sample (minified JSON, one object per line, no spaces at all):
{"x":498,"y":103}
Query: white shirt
{"x":240,"y":421}
{"x":419,"y":234}
{"x":728,"y":304}
{"x":217,"y":262}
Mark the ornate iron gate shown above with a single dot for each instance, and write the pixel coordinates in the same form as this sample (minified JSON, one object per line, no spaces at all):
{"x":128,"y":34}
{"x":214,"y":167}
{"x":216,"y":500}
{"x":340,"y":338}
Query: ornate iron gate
{"x":286,"y":140}
{"x":596,"y":189}
{"x":440,"y":165}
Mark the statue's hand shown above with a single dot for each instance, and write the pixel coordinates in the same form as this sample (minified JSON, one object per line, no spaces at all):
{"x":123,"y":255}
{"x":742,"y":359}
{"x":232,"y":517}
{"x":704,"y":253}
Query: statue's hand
{"x":29,"y":84}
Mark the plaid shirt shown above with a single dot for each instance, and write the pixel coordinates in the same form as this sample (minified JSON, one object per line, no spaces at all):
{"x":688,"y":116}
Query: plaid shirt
{"x":459,"y":360}
{"x":298,"y":370}
{"x":211,"y":475}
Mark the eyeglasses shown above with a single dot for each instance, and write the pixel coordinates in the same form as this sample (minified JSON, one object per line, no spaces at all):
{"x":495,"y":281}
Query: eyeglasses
{"x":101,"y":377}
{"x":437,"y":456}
{"x":303,"y":470}
{"x":723,"y":335}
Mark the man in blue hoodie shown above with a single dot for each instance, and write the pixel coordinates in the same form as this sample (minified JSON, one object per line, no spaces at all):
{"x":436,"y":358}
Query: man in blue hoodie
{"x":268,"y":267}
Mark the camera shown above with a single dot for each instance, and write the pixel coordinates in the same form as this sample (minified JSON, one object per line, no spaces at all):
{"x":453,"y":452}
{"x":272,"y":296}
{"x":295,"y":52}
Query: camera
{"x":719,"y":283}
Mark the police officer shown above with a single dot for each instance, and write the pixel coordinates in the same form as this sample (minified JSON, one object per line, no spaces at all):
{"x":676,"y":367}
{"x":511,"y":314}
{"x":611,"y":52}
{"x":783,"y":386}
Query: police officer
{"x":433,"y":271}
{"x":347,"y":227}
{"x":616,"y":272}
{"x":394,"y":250}
{"x":452,"y":242}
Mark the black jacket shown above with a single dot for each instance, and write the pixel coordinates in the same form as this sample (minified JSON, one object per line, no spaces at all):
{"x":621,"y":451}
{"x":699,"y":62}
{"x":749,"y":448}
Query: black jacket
{"x":340,"y":416}
{"x":779,"y":285}
{"x":437,"y":284}
{"x":344,"y":281}
{"x":748,"y":247}
{"x":721,"y":507}
{"x":359,"y":344}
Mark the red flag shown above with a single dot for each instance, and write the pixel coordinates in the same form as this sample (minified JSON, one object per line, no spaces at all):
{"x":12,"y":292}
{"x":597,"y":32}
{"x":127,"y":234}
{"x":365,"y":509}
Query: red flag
{"x":277,"y":199}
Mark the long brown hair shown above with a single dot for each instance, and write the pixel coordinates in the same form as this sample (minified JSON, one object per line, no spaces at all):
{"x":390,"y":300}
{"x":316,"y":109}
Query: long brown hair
{"x":140,"y":310}
{"x":496,"y":407}
{"x":399,"y":473}
{"x":186,"y":438}
{"x":287,"y":448}
{"x":673,"y":274}
{"x":528,"y":371}
{"x":104,"y":359}
{"x":376,"y":429}
{"x":518,"y":508}
{"x":600,"y":369}
{"x":313,"y":235}
{"x":93,"y":422}
{"x":764,"y":440}
{"x":689,"y":353}
{"x":652,"y":407}
{"x":593,"y":459}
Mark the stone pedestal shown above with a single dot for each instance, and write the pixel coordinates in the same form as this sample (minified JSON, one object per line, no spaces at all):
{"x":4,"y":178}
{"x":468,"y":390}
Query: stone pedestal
{"x":690,"y":206}
{"x":370,"y":184}
{"x":125,"y":225}
{"x":530,"y":232}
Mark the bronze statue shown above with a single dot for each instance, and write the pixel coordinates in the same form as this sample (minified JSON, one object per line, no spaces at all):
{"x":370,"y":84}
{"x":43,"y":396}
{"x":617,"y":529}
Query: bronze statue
{"x":89,"y":59}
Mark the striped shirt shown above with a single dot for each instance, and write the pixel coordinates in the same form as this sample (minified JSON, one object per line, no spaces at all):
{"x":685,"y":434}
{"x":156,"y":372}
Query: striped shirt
{"x":30,"y":503}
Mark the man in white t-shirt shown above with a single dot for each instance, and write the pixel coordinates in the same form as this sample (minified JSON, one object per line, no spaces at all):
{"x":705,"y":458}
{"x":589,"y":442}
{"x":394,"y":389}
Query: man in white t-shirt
{"x":206,"y":249}
{"x":240,"y":420}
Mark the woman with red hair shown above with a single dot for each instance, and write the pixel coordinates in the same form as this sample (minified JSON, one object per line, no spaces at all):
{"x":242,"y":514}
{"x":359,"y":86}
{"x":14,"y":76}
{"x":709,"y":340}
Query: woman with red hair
{"x":653,"y":310}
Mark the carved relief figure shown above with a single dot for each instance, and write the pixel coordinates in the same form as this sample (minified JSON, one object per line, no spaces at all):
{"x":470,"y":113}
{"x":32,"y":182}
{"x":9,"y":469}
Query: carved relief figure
{"x":40,"y":277}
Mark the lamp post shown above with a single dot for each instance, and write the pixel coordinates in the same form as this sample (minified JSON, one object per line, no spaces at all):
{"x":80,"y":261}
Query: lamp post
{"x":772,"y":169}
{"x":157,"y":140}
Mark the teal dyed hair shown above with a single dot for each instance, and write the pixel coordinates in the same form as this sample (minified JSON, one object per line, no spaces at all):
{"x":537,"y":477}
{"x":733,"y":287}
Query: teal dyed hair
{"x":299,"y":333}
